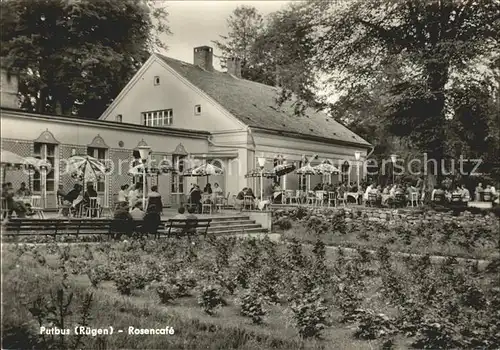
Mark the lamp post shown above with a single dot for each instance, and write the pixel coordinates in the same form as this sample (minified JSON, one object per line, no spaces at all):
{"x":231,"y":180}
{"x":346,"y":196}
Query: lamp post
{"x":262,"y":163}
{"x":394,"y":159}
{"x":357,"y":156}
{"x":144,"y":154}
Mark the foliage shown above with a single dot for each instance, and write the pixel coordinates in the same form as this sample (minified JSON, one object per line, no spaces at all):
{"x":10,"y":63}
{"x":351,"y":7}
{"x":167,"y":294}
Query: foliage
{"x":245,"y":27}
{"x":210,"y":298}
{"x":310,"y":313}
{"x":61,"y":47}
{"x":251,"y":303}
{"x":128,"y":278}
{"x":57,"y":311}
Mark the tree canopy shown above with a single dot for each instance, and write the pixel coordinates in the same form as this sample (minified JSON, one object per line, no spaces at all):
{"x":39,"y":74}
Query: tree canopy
{"x":399,"y":64}
{"x":74,"y":57}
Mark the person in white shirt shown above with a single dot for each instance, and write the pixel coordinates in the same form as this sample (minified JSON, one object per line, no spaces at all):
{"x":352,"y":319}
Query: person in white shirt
{"x":123,"y":194}
{"x":137,"y":213}
{"x":367,"y":192}
{"x":217,"y":192}
{"x":392,"y":192}
{"x":465,"y":194}
{"x":134,"y":195}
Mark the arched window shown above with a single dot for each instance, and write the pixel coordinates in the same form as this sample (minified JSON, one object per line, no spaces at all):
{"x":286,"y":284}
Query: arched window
{"x":118,"y":118}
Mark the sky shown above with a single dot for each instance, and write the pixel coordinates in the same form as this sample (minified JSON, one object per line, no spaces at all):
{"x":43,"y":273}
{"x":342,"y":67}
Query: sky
{"x":197,"y":23}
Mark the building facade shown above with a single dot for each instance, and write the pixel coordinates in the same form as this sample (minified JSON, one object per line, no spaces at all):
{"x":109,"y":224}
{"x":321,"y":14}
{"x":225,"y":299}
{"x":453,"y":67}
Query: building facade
{"x":188,"y":114}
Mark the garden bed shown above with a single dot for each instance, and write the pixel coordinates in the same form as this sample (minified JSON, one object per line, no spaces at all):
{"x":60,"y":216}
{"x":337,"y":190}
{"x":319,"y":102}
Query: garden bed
{"x":414,"y":232}
{"x":218,"y":294}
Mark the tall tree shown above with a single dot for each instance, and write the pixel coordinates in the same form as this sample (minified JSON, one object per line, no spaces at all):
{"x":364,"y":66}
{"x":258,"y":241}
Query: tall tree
{"x":74,"y":57}
{"x":244,"y":26}
{"x":429,"y":41}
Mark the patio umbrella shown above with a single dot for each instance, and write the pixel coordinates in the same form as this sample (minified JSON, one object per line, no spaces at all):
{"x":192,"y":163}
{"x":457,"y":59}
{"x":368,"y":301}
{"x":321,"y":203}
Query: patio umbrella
{"x":85,"y":167}
{"x":283,"y":169}
{"x":257,"y":173}
{"x":204,"y":170}
{"x":307,"y":170}
{"x":138,"y":169}
{"x":10,"y":160}
{"x":326,"y":168}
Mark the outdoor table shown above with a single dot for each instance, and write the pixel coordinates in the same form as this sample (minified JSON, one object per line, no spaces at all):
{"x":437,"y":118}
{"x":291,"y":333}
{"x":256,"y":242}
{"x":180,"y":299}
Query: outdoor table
{"x":354,"y":195}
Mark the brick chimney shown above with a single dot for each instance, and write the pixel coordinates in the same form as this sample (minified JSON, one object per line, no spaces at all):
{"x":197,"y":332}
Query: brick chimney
{"x":203,"y":57}
{"x":9,"y":87}
{"x":233,"y":65}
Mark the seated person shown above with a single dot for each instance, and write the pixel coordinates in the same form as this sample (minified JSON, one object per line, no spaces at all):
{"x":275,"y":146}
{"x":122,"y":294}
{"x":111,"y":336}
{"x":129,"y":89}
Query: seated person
{"x":151,"y":220}
{"x":89,"y":196}
{"x":367,"y":192}
{"x":154,"y":199}
{"x":74,"y":198}
{"x":123,"y":194}
{"x":238,"y":202}
{"x":217,"y":191}
{"x":191,"y":229}
{"x":23,"y":191}
{"x":478,"y":192}
{"x":487,"y":194}
{"x":195,"y":198}
{"x":249,"y":193}
{"x":17,"y":207}
{"x":123,"y":222}
{"x":179,"y":216}
{"x":207,"y":189}
{"x":438,"y":195}
{"x":457,"y":195}
{"x":137,"y":213}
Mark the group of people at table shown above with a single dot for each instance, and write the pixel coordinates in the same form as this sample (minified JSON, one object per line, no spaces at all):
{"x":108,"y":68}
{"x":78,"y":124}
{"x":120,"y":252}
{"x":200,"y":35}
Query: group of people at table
{"x":404,"y":194}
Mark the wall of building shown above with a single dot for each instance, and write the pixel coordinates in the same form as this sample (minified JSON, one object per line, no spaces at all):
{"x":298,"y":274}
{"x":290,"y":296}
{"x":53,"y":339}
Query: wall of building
{"x":171,"y":93}
{"x":9,"y":85}
{"x":19,"y":130}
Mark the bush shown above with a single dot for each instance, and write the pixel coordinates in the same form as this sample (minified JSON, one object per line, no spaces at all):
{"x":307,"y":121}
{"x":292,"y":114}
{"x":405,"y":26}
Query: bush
{"x":310,"y":313}
{"x":167,"y":292}
{"x":210,"y":298}
{"x":251,"y":303}
{"x":284,"y":223}
{"x":128,"y":279}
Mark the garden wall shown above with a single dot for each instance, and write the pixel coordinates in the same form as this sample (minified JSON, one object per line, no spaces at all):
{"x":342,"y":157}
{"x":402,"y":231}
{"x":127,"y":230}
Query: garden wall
{"x":397,"y":216}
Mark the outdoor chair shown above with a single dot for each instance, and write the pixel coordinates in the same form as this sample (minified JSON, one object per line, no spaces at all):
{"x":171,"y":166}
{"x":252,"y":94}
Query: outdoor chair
{"x":332,"y":198}
{"x":226,"y":199}
{"x":342,"y":199}
{"x":248,"y":202}
{"x":206,"y":203}
{"x":283,"y":197}
{"x":289,"y":195}
{"x":320,"y":197}
{"x":295,"y":196}
{"x":219,"y":203}
{"x":93,"y":209}
{"x":36,"y":206}
{"x":372,"y":199}
{"x":311,"y":198}
{"x":414,"y":199}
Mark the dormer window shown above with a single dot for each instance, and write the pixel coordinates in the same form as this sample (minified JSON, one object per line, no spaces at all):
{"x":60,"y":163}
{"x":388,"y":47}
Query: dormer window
{"x":118,"y":118}
{"x":157,"y":80}
{"x":197,"y":109}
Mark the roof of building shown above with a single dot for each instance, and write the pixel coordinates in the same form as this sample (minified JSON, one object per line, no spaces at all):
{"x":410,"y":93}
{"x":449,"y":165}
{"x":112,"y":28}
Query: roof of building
{"x":255,"y":105}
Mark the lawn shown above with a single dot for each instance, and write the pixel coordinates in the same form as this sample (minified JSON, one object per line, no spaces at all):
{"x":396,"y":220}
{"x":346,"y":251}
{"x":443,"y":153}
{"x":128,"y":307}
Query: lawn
{"x":226,"y":293}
